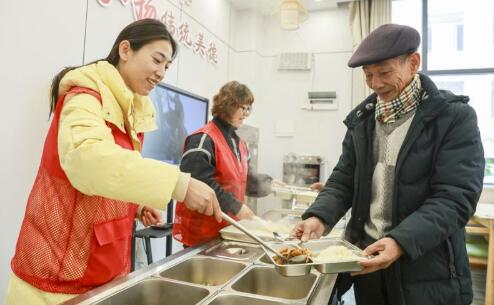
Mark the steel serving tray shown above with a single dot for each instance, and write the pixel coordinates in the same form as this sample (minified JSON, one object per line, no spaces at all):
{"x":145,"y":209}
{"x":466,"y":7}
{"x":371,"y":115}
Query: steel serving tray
{"x":234,"y":250}
{"x":264,"y":281}
{"x":232,"y":233}
{"x":316,"y":246}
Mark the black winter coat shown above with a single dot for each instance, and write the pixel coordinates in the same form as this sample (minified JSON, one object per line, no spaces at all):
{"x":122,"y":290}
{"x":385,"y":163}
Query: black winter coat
{"x":438,"y":181}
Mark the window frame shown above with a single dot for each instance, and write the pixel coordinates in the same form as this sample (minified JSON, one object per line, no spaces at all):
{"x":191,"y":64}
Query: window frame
{"x":425,"y":64}
{"x":424,"y":49}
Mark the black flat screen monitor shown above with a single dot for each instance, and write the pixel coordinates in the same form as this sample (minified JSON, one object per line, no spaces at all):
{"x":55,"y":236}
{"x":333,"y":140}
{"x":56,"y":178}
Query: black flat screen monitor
{"x":178,"y":114}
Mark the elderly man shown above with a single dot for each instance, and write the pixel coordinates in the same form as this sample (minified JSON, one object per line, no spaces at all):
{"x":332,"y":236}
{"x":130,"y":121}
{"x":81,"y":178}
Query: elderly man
{"x":411,"y":171}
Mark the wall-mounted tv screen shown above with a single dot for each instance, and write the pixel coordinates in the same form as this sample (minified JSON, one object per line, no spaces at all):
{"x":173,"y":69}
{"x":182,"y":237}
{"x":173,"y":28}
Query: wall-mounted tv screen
{"x":178,"y":114}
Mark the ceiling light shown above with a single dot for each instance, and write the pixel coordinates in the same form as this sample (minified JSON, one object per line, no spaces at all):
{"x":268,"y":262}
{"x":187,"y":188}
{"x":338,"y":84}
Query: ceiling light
{"x":291,"y":12}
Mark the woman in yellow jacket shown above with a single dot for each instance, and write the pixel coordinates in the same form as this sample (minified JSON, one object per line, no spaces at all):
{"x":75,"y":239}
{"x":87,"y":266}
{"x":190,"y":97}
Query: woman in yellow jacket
{"x":77,"y":227}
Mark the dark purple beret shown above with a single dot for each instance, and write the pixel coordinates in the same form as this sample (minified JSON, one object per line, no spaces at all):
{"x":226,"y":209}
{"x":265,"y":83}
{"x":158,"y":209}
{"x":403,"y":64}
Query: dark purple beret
{"x":387,"y":41}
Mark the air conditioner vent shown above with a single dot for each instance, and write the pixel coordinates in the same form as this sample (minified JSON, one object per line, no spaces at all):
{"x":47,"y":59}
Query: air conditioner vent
{"x":321,"y":100}
{"x":295,"y":61}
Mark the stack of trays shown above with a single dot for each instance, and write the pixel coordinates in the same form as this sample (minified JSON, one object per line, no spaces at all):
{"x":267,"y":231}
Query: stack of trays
{"x":326,"y":264}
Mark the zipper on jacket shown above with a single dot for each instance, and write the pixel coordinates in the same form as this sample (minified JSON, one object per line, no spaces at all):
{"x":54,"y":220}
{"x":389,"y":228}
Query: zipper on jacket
{"x":452,"y":268}
{"x":410,"y":138}
{"x":358,"y":170}
{"x":362,"y":188}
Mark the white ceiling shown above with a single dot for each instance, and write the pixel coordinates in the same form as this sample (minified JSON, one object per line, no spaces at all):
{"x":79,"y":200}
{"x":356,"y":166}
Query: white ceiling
{"x":266,"y":7}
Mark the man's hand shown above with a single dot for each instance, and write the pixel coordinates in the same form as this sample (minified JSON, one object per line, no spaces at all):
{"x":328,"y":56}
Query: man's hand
{"x":317,"y":186}
{"x":202,"y":199}
{"x":386,"y":251}
{"x":150,"y":216}
{"x":311,"y":228}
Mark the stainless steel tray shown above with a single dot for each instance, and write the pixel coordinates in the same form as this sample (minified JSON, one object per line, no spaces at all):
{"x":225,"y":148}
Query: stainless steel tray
{"x":264,"y":281}
{"x":234,"y":250}
{"x":232,"y":233}
{"x":316,"y":246}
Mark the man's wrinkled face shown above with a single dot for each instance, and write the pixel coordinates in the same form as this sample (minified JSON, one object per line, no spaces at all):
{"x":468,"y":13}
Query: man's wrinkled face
{"x":389,"y":77}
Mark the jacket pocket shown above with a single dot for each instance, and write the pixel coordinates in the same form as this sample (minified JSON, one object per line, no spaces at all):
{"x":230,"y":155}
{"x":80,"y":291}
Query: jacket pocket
{"x":108,"y":257}
{"x":432,"y":293}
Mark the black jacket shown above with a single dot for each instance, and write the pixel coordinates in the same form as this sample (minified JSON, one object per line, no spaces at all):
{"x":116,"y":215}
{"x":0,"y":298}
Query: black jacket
{"x":201,"y":164}
{"x":438,"y":181}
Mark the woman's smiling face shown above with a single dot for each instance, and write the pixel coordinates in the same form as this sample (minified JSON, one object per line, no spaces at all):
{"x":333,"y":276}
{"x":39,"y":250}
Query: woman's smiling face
{"x":143,"y":69}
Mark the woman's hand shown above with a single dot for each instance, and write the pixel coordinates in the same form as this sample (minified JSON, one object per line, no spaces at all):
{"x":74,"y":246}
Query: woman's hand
{"x":277,"y":183}
{"x":150,"y":216}
{"x":245,"y":213}
{"x":202,"y":199}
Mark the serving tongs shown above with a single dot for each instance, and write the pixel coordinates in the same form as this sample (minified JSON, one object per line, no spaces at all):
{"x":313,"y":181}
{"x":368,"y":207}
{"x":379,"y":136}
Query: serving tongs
{"x":294,"y":260}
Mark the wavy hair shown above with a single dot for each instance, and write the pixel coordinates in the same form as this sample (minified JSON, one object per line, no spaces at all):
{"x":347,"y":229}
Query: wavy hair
{"x":230,"y":97}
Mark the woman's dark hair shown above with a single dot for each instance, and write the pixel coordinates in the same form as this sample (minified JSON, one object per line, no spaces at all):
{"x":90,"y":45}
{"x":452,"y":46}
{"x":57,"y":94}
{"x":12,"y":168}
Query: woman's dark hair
{"x":231,"y":96}
{"x":138,"y":33}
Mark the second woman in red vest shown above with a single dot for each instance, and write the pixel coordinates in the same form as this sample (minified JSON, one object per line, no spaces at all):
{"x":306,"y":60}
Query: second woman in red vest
{"x":216,"y":155}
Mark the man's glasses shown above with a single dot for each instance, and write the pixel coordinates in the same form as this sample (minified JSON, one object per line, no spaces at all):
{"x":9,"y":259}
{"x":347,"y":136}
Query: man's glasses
{"x":247,"y":109}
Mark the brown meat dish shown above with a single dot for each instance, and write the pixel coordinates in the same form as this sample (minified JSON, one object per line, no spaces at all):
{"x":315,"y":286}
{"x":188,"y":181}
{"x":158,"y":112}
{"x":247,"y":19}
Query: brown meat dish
{"x":292,"y":252}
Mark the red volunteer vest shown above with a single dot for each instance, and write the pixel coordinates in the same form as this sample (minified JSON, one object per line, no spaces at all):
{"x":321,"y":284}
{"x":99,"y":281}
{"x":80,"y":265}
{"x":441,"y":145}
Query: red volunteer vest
{"x":70,"y":242}
{"x":191,"y":228}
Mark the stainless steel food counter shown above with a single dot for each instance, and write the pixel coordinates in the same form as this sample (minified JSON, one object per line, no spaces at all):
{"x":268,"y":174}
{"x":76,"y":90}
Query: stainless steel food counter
{"x":220,"y":272}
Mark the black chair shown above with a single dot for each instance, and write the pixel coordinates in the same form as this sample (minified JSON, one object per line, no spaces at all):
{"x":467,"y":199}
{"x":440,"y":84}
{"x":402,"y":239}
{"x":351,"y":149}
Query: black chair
{"x":153,"y":232}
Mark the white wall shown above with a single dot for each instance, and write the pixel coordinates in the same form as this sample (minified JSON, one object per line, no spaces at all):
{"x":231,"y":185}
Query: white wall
{"x":40,"y":38}
{"x":279,"y":94}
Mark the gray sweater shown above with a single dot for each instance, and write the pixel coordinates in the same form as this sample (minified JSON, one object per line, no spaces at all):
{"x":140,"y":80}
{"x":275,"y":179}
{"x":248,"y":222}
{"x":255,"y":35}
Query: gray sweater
{"x":387,"y":142}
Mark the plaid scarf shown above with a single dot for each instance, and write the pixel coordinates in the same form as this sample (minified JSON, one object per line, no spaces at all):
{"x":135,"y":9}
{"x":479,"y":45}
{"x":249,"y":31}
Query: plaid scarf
{"x":408,"y":100}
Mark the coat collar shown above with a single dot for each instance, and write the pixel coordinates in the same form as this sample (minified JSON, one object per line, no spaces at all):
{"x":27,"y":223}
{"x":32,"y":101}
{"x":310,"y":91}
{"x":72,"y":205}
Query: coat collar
{"x":227,"y":129}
